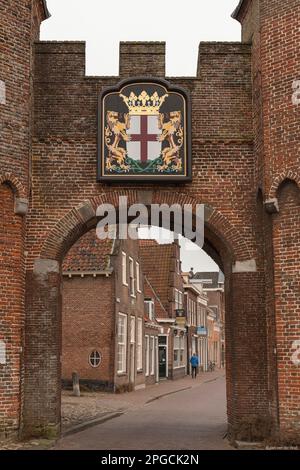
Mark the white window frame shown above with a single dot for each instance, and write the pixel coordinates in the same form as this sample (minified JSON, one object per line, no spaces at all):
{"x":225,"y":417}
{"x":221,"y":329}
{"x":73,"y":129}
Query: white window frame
{"x":180,"y":351}
{"x":123,"y":344}
{"x":131,"y":277}
{"x":147,"y":354}
{"x":124,"y":269}
{"x":138,"y":277}
{"x":180,"y":299}
{"x":139,"y":349}
{"x":152,"y":351}
{"x":151,"y":308}
{"x":132,"y":330}
{"x":176,"y":298}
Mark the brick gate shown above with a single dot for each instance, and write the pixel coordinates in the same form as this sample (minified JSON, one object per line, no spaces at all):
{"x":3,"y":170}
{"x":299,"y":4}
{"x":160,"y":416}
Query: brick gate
{"x":245,"y":140}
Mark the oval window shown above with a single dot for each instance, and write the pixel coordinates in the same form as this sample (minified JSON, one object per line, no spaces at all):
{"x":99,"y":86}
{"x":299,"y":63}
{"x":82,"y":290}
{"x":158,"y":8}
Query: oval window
{"x":95,"y":359}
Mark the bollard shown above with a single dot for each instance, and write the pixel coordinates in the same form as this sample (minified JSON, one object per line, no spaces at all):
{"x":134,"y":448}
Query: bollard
{"x":76,"y":387}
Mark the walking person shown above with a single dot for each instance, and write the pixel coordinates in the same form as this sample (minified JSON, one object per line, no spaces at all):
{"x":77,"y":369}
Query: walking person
{"x":194,"y":363}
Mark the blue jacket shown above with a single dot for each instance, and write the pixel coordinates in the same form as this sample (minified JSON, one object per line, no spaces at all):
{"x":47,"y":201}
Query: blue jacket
{"x":194,"y":361}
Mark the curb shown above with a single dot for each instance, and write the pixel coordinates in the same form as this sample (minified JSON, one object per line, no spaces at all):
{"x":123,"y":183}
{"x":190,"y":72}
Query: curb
{"x":166,"y":394}
{"x":88,"y":424}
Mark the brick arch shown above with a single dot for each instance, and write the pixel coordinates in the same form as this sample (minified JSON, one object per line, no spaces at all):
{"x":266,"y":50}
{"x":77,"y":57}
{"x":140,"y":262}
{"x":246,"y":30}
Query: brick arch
{"x":292,"y":175}
{"x":222,"y":237}
{"x":14,"y":183}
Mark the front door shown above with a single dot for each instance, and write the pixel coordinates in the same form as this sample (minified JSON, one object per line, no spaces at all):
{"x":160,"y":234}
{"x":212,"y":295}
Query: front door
{"x":162,"y":352}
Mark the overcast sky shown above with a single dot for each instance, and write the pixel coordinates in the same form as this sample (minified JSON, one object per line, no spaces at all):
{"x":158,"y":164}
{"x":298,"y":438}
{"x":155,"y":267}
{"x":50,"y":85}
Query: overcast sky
{"x":181,"y":23}
{"x":103,"y":24}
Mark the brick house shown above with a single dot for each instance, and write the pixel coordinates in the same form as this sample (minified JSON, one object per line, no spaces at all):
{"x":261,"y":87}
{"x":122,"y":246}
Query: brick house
{"x":213,"y":287}
{"x":195,"y":301}
{"x":103,"y":314}
{"x":155,"y":359}
{"x":161,"y":265}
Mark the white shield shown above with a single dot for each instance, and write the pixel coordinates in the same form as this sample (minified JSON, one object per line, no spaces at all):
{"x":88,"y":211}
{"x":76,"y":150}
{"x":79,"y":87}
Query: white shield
{"x":144,"y":133}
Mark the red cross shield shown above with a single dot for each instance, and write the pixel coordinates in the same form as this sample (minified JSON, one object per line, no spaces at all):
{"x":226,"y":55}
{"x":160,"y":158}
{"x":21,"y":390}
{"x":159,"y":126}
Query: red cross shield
{"x":144,"y":134}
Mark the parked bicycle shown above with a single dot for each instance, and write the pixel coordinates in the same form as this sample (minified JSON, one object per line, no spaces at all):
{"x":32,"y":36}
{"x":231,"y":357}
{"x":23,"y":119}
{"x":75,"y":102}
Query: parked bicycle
{"x":211,"y":366}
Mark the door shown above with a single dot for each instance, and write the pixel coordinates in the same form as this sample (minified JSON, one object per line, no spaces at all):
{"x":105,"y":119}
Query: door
{"x":162,"y":353}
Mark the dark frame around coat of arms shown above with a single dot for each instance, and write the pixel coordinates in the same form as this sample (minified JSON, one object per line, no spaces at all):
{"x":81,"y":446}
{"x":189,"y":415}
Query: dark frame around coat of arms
{"x":144,"y":132}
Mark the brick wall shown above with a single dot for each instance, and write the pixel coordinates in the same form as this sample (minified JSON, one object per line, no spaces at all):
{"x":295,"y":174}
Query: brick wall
{"x":19,"y":27}
{"x":12,"y":311}
{"x":287,"y":287}
{"x":88,"y":325}
{"x":222,"y":156}
{"x":272,"y":26}
{"x":91,"y":304}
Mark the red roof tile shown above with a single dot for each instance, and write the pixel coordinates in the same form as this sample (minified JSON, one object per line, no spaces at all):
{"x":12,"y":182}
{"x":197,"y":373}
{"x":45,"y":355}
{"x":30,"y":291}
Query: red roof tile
{"x":157,"y":264}
{"x":89,"y":254}
{"x":149,"y":292}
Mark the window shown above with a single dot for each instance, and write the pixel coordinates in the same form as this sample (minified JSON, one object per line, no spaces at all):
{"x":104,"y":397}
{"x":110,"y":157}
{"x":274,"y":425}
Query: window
{"x":147,"y":355}
{"x":198,"y":315}
{"x":122,"y":343}
{"x":124,"y":268}
{"x":138,"y":282}
{"x":95,"y":359}
{"x":132,"y":330}
{"x":178,"y":299}
{"x":140,"y":345}
{"x":152,"y":355}
{"x":149,"y":308}
{"x":131,"y":278}
{"x":179,"y":351}
{"x":176,"y":351}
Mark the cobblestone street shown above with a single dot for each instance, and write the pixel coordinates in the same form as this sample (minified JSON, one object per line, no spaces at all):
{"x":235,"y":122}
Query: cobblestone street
{"x":91,"y":407}
{"x":186,"y":414}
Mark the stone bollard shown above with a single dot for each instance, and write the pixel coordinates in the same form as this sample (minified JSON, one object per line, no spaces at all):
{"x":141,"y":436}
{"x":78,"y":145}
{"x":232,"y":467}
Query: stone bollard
{"x":76,"y":387}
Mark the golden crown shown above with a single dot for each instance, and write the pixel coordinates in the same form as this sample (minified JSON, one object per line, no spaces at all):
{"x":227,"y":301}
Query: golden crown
{"x":143,"y":104}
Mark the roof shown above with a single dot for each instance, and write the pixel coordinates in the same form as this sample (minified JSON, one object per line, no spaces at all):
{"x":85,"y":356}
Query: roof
{"x":150,"y":293}
{"x":216,"y":278}
{"x":157,"y":264}
{"x":46,"y":11}
{"x":238,"y":10}
{"x":89,"y":254}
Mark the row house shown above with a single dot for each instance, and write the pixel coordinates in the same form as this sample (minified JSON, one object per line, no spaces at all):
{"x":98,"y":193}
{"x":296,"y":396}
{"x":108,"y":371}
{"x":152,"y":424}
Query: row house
{"x":196,"y":312}
{"x":119,"y":333}
{"x":213,"y":286}
{"x":162,"y":267}
{"x":103,"y":315}
{"x":155,"y":357}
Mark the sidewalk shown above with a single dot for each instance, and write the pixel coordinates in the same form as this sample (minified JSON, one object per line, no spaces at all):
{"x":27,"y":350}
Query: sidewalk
{"x":95,"y":407}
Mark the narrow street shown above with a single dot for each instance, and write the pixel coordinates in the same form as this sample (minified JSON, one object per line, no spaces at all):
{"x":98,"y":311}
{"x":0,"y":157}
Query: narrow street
{"x":194,"y":418}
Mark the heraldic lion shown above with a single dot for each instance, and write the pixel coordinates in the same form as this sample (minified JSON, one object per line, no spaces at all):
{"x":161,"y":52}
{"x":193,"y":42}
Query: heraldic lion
{"x":170,"y":155}
{"x":118,"y":129}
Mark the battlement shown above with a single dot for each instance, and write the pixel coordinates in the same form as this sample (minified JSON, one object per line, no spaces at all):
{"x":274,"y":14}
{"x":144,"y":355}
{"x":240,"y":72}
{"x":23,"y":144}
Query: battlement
{"x":142,"y":59}
{"x":57,"y":59}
